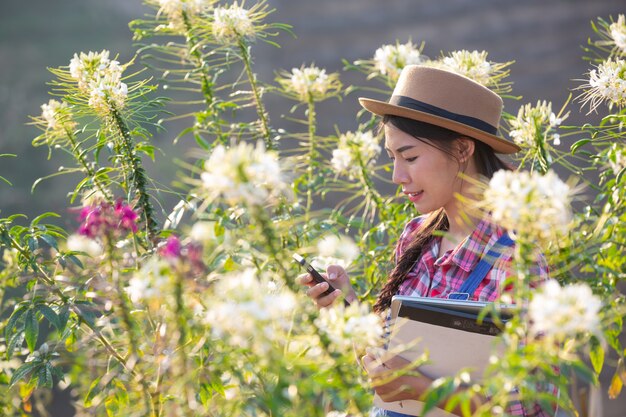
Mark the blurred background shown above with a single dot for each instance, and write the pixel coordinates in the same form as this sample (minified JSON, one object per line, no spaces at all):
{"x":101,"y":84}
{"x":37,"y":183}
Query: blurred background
{"x":543,"y":37}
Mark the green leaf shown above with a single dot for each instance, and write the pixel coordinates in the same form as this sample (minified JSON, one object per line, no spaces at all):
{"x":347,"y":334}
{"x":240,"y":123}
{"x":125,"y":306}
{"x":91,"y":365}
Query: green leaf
{"x":22,"y":371}
{"x":596,"y":355}
{"x":39,"y":218}
{"x":31,"y":329}
{"x":50,"y":315}
{"x":75,"y":261}
{"x":15,"y":341}
{"x":94,"y":389}
{"x":17,"y":314}
{"x":50,"y":240}
{"x":578,"y":144}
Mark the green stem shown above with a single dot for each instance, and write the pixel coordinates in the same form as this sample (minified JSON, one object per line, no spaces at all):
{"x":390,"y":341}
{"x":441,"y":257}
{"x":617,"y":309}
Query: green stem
{"x":182,"y":339}
{"x":130,"y":328}
{"x":265,"y":130}
{"x":79,"y":154}
{"x":40,"y":274}
{"x":206,"y":84}
{"x":312,"y":155}
{"x":369,"y":187}
{"x":136,"y":174}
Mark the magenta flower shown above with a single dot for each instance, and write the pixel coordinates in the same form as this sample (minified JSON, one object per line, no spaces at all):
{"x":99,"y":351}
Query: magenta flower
{"x":187,"y":256}
{"x":108,"y":220}
{"x":172,"y":248}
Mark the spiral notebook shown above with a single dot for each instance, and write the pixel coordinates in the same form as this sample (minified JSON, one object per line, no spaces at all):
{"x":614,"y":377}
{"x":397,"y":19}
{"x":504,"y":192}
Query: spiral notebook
{"x":449,"y":331}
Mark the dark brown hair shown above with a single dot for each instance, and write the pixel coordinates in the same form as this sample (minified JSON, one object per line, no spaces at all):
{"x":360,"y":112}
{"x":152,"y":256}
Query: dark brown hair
{"x":487,"y":163}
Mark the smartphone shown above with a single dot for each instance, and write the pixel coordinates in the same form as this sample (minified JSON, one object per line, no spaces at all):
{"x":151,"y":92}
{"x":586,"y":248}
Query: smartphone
{"x":317,"y":277}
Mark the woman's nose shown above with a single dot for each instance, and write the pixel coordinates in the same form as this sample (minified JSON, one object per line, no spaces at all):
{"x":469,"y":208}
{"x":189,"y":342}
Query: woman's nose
{"x":399,"y":174}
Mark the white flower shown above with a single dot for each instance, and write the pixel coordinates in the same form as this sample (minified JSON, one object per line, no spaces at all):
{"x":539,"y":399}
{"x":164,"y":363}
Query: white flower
{"x":310,"y":83}
{"x":101,"y":79}
{"x":174,"y":9}
{"x":472,"y":64}
{"x":80,"y":243}
{"x":350,"y":325}
{"x":616,"y":158}
{"x":52,"y":114}
{"x":566,"y":311}
{"x":353,"y":147}
{"x":203,"y":231}
{"x":532,"y":206}
{"x":336,"y":414}
{"x":535,"y":124}
{"x":606,"y":83}
{"x":230,"y":23}
{"x":618,"y":32}
{"x":151,"y":282}
{"x":335,"y":250}
{"x":389,"y":60}
{"x":250,"y":310}
{"x":243,"y":174}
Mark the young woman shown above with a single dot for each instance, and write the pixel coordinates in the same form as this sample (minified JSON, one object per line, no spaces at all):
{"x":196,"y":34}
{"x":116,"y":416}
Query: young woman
{"x":440,"y":129}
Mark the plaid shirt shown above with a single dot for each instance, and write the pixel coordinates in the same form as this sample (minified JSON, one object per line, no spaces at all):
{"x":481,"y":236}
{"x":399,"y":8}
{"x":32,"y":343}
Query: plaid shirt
{"x":434,"y":276}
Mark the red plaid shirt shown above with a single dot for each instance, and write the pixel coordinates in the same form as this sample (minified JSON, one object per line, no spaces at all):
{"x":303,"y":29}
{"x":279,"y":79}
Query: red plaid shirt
{"x":434,"y":276}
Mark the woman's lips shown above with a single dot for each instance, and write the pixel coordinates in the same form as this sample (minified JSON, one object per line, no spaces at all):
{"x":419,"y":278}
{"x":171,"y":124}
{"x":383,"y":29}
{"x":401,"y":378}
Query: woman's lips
{"x":414,"y":197}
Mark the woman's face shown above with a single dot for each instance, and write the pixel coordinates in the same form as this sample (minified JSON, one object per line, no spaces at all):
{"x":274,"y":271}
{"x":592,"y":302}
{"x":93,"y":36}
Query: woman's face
{"x":428,"y":176}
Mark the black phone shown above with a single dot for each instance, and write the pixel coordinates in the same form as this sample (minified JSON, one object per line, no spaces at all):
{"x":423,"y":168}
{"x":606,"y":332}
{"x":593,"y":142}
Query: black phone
{"x":317,"y":277}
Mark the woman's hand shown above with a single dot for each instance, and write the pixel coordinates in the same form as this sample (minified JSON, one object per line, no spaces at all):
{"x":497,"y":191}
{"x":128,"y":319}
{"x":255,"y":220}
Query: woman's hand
{"x":394,"y":388}
{"x":338,"y":278}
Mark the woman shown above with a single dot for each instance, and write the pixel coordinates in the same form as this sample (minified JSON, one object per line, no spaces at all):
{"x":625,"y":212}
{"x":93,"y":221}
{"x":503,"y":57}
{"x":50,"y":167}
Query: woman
{"x":440,"y":130}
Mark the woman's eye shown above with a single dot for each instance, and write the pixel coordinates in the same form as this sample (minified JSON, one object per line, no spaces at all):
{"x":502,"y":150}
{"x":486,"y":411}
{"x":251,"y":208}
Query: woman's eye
{"x":411,"y":159}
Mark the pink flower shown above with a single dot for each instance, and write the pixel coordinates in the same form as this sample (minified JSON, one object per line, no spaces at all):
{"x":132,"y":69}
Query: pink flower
{"x":172,"y":248}
{"x":104,"y":219}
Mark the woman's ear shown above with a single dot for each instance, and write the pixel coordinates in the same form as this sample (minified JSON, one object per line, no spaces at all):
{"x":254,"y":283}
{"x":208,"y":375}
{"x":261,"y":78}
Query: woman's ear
{"x":465,"y":148}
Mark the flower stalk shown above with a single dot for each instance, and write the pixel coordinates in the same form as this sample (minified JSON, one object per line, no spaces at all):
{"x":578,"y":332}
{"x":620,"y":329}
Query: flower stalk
{"x":135,"y":174}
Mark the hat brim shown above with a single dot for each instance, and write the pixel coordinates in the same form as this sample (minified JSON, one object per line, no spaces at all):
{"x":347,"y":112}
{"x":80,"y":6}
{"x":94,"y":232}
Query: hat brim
{"x":382,"y":108}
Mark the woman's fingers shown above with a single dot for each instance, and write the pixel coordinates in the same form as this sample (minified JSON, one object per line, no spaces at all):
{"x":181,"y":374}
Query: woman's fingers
{"x":316,"y":291}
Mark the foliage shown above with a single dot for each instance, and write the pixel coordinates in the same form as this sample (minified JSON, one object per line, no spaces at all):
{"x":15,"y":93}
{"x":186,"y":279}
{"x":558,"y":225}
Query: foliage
{"x":202,"y":315}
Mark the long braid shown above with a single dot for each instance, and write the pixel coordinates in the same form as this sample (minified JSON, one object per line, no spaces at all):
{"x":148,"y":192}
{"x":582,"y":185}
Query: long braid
{"x":437,"y":220}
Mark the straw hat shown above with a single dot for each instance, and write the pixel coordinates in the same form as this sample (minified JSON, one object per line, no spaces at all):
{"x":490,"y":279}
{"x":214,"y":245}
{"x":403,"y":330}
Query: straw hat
{"x":447,"y":100}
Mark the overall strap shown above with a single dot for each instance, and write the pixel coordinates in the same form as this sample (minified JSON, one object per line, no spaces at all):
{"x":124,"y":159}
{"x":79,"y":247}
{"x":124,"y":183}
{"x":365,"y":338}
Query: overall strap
{"x":483,"y":267}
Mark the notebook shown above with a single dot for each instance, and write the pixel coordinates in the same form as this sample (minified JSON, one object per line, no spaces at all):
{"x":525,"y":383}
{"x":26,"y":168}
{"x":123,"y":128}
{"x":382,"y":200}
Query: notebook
{"x":449,"y":331}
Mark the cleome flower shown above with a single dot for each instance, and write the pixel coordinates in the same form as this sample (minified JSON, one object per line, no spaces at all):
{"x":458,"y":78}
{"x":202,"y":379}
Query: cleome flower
{"x":186,"y":256}
{"x":389,"y":60}
{"x":151,"y":283}
{"x":243,"y":174}
{"x":231,"y":23}
{"x":560,"y":312}
{"x":57,"y":117}
{"x":100,"y":79}
{"x":348,"y":326}
{"x":474,"y":65}
{"x":533,"y":207}
{"x":176,"y":11}
{"x":107,"y":220}
{"x":617,"y":30}
{"x":310,"y":83}
{"x":616,"y":158}
{"x":251,"y":311}
{"x":354,"y":149}
{"x":335,"y":250}
{"x":607,"y":83}
{"x":535,"y":125}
